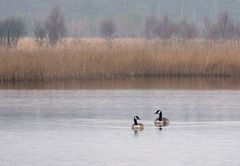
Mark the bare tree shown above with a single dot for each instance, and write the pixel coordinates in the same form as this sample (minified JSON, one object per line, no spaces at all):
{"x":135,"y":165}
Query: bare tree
{"x":187,"y":30}
{"x":224,"y":28}
{"x":40,"y":31}
{"x":165,"y":28}
{"x":237,"y":31}
{"x":108,"y":28}
{"x":210,"y":29}
{"x":11,"y":29}
{"x":150,"y":26}
{"x":55,"y":25}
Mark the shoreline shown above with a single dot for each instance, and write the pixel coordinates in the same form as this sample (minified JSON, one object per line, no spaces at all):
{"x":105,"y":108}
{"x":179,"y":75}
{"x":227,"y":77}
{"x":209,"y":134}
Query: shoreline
{"x":149,"y":83}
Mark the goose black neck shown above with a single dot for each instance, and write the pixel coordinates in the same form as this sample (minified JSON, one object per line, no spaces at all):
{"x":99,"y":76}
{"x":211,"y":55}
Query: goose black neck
{"x":160,"y":116}
{"x":135,"y":121}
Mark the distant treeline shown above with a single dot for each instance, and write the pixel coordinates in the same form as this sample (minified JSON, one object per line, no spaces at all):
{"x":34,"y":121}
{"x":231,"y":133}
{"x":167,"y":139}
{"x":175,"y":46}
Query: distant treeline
{"x":164,"y":28}
{"x":52,"y":29}
{"x":83,"y":17}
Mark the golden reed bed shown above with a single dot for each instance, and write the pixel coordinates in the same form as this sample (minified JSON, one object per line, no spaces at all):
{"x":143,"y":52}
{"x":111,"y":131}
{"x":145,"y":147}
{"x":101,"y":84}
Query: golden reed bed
{"x":94,"y":59}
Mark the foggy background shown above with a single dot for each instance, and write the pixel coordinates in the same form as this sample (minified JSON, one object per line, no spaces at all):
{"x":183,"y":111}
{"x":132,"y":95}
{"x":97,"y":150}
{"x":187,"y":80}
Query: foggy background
{"x":83,"y":16}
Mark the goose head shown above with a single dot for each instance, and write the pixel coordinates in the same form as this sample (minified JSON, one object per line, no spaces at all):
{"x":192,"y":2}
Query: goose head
{"x":158,"y":112}
{"x":137,"y":118}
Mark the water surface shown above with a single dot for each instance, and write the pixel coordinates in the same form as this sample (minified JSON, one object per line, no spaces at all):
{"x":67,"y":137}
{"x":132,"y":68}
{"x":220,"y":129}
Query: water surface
{"x":92,"y":126}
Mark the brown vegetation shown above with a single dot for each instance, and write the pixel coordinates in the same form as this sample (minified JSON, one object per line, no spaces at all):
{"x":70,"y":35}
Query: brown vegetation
{"x":92,"y":59}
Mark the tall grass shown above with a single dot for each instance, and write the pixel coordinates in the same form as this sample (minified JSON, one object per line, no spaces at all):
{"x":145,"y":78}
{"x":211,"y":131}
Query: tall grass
{"x":93,"y":59}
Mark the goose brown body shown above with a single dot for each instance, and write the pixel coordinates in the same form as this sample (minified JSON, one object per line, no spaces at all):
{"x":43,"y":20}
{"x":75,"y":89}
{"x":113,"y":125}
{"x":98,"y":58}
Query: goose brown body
{"x":137,"y":126}
{"x":161,"y":121}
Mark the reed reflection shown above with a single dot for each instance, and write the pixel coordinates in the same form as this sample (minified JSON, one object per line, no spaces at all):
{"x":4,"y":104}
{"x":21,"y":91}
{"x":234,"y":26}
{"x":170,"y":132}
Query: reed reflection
{"x":188,"y":83}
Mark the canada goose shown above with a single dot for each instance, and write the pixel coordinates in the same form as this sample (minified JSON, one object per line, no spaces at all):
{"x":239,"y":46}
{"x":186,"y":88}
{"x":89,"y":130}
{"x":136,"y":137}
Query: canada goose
{"x":137,"y":126}
{"x":161,"y":121}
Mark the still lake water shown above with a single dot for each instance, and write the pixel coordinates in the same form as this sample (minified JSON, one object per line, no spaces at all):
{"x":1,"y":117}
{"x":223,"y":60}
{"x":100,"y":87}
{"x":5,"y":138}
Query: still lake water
{"x":73,"y":124}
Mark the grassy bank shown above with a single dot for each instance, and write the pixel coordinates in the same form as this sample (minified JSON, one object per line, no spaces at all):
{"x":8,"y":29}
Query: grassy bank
{"x":93,"y":59}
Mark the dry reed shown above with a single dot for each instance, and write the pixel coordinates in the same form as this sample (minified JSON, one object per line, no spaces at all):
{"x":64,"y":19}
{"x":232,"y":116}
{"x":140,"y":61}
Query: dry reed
{"x":93,"y":59}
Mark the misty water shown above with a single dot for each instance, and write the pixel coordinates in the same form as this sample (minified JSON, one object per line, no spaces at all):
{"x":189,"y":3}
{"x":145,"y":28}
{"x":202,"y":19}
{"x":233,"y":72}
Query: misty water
{"x":75,"y":123}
